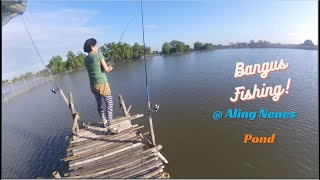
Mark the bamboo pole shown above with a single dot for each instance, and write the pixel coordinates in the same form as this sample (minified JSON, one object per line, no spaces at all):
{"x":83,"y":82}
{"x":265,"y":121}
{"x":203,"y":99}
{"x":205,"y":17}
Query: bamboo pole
{"x":56,"y":175}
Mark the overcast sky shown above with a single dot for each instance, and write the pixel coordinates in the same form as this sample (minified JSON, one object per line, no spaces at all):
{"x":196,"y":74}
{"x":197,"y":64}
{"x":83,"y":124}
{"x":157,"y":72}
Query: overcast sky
{"x":59,"y":26}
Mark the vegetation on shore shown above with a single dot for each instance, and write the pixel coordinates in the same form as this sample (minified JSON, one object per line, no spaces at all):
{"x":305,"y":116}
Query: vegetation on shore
{"x":114,"y":52}
{"x":307,"y":44}
{"x":178,"y":47}
{"x":117,"y":52}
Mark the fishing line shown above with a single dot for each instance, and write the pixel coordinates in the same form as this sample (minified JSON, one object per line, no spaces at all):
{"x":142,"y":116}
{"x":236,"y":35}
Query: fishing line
{"x":51,"y":77}
{"x":126,"y":28}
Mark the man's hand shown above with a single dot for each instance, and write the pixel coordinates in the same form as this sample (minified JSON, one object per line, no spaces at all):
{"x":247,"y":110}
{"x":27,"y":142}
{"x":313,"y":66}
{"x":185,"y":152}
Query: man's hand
{"x":110,"y":68}
{"x":107,"y":68}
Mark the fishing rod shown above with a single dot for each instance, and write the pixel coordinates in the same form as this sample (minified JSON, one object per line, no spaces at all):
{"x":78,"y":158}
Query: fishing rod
{"x":147,"y":84}
{"x":121,"y":36}
{"x":56,"y":88}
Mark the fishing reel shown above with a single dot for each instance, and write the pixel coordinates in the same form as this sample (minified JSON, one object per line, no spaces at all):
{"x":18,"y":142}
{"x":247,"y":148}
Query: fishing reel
{"x":55,"y":89}
{"x":155,"y":108}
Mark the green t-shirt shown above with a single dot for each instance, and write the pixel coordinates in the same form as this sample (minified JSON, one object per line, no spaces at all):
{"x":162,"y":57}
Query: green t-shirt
{"x":95,"y":70}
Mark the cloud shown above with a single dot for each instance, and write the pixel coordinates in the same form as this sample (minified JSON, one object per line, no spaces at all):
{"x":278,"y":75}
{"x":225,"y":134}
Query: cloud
{"x":151,"y":26}
{"x":54,"y":33}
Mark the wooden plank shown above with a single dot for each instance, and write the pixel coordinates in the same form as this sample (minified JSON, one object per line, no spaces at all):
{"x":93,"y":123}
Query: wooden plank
{"x":129,"y":146}
{"x":158,"y":167}
{"x":151,"y":150}
{"x":102,"y":148}
{"x":99,"y":143}
{"x":105,"y":161}
{"x":120,"y":171}
{"x":125,"y":137}
{"x":120,"y":163}
{"x":154,"y":150}
{"x":137,"y":170}
{"x":117,"y":147}
{"x":163,"y":159}
{"x":133,"y":157}
{"x":150,"y":174}
{"x":103,"y":171}
{"x":107,"y":137}
{"x":81,"y":146}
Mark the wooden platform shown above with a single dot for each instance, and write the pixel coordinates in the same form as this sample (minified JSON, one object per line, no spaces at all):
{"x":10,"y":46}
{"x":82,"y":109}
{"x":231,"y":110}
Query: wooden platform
{"x":93,"y":153}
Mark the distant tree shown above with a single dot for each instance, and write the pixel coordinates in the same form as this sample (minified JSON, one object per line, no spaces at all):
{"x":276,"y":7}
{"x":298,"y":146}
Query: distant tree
{"x":57,"y":65}
{"x":308,"y":43}
{"x":207,"y":46}
{"x":260,"y":42}
{"x":166,"y":48}
{"x":197,"y":46}
{"x":71,"y":62}
{"x":123,"y":51}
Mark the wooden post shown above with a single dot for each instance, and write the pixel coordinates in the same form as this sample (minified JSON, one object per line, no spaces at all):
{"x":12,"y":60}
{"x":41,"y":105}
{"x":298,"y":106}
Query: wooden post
{"x":35,"y":85}
{"x":14,"y":94}
{"x":163,"y":159}
{"x":151,"y":128}
{"x":123,"y":106}
{"x":5,"y":97}
{"x":64,"y":97}
{"x":56,"y":175}
{"x":75,"y":115}
{"x":71,"y":104}
{"x":25,"y":85}
{"x":41,"y":77}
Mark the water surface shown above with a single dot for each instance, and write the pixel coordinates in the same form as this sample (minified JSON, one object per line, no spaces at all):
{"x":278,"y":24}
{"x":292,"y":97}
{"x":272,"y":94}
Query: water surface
{"x":188,"y":88}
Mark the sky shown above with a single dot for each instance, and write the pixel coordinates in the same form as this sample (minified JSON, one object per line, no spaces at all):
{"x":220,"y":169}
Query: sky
{"x":58,"y":26}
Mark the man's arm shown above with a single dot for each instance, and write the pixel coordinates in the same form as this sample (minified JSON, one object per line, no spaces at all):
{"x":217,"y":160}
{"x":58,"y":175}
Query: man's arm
{"x":106,"y":68}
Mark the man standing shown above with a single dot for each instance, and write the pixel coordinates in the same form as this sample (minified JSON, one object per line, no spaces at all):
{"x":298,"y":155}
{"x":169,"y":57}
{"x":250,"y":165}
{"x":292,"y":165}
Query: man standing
{"x":97,"y":67}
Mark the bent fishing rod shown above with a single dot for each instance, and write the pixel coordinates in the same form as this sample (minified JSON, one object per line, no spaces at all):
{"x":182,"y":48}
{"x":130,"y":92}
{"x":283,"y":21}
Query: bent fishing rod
{"x":147,"y":84}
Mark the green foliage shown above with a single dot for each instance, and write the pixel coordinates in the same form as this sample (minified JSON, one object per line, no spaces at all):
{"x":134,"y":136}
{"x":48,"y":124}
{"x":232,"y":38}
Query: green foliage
{"x":123,"y":51}
{"x":308,"y":42}
{"x":175,"y":47}
{"x":198,"y":46}
{"x":57,"y":65}
{"x":166,"y":48}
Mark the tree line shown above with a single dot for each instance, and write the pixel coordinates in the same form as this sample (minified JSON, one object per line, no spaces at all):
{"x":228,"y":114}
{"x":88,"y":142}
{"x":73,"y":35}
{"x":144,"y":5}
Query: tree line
{"x":178,"y":47}
{"x":114,"y":52}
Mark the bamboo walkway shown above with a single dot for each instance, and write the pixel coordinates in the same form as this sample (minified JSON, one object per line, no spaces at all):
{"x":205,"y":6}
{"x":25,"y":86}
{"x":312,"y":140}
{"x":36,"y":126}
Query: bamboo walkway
{"x":93,"y":153}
